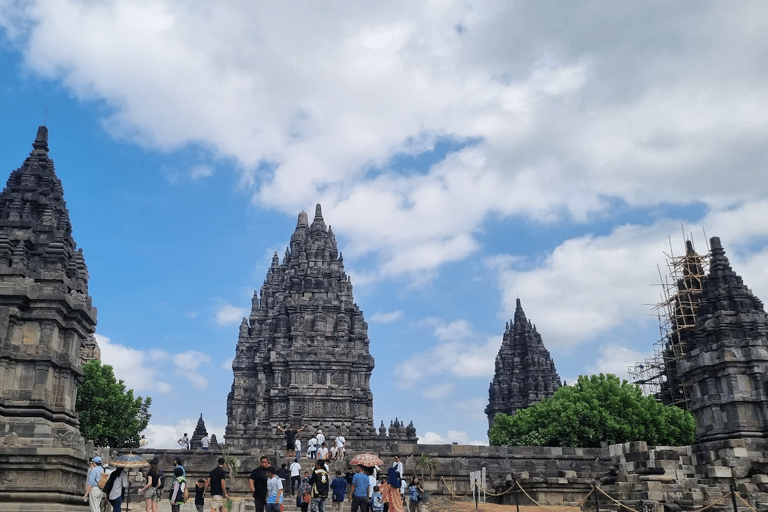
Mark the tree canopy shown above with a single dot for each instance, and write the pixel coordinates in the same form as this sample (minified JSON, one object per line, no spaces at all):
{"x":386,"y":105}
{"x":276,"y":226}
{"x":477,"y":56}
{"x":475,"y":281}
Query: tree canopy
{"x":597,"y":408}
{"x":110,"y":415}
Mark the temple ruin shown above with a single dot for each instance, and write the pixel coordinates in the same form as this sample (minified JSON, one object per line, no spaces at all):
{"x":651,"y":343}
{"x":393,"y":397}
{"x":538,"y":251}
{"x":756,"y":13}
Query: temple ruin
{"x":525,"y":372}
{"x":47,"y":323}
{"x":302,"y":356}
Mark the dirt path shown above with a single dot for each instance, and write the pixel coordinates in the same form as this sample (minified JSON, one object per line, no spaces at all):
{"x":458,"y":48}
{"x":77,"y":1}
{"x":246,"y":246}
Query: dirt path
{"x":441,"y":504}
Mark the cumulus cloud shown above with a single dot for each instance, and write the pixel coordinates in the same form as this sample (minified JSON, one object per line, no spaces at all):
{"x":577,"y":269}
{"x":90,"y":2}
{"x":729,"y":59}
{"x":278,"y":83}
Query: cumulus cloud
{"x":451,"y":436}
{"x":166,"y":436}
{"x":589,"y":285}
{"x":187,"y":364}
{"x":386,"y":318}
{"x":462,"y":352}
{"x":226,"y":314}
{"x":547,"y":122}
{"x":137,"y":368}
{"x":616,"y":360}
{"x":144,"y":370}
{"x":438,"y":390}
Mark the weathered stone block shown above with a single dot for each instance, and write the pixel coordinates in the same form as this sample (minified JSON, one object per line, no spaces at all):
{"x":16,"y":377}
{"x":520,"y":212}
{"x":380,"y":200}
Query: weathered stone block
{"x":719,"y":472}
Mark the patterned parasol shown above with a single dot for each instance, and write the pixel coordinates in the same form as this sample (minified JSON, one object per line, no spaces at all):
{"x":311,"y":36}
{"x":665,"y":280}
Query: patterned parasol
{"x":366,"y":459}
{"x":129,"y":461}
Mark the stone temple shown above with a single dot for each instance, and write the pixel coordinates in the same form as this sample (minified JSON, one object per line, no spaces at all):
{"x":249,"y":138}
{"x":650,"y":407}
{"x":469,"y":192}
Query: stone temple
{"x":726,"y":359}
{"x":47,"y":323}
{"x":525,"y":373}
{"x":302,"y":356}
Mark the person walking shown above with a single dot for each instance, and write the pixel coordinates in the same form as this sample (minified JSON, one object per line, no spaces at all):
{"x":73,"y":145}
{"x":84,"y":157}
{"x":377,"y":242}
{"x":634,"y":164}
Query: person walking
{"x":274,"y":490}
{"x":339,"y":489}
{"x":295,"y":472}
{"x":116,"y":485}
{"x":217,"y":482}
{"x":320,"y":484}
{"x":358,"y":493}
{"x":257,"y":482}
{"x":93,"y":494}
{"x":149,"y":491}
{"x":298,"y":447}
{"x":414,"y":494}
{"x":341,"y":447}
{"x":304,"y":494}
{"x":177,"y":489}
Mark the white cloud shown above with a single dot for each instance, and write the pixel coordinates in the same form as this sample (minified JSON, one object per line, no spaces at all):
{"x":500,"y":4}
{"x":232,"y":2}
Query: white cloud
{"x":386,"y":318}
{"x":144,"y":370}
{"x":462,"y":353}
{"x":438,"y":391}
{"x":187,"y":364}
{"x":201,"y":171}
{"x":135,"y":367}
{"x":451,"y":436}
{"x":560,"y":121}
{"x":616,"y":360}
{"x":166,"y":436}
{"x":227,"y":364}
{"x":228,"y":314}
{"x":589,"y":285}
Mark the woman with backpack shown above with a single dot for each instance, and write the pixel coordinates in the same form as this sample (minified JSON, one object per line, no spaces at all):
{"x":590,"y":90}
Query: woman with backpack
{"x":414,"y":493}
{"x":178,"y":490}
{"x":303,"y":496}
{"x":149,"y":491}
{"x":118,"y":481}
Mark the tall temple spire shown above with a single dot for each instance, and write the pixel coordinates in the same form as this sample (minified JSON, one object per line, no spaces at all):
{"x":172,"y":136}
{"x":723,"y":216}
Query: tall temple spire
{"x":302,"y":357}
{"x":525,"y":373}
{"x":47,"y":325}
{"x":727,"y":356}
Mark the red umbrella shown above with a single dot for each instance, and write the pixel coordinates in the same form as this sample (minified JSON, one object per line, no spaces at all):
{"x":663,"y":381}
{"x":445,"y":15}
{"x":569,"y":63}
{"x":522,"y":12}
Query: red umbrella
{"x":366,"y":459}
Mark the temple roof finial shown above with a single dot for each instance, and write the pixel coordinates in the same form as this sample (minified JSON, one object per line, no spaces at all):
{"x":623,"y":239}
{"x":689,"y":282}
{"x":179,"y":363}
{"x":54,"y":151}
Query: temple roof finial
{"x":318,"y":224}
{"x":41,"y":141}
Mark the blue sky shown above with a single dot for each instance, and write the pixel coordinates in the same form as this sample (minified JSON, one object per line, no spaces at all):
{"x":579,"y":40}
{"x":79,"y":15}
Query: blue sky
{"x":465,"y":153}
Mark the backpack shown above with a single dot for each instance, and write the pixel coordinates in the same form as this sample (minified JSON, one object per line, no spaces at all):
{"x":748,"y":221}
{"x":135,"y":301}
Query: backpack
{"x":160,"y":479}
{"x":183,"y":495}
{"x":320,"y":487}
{"x":377,"y":502}
{"x":393,"y":477}
{"x":103,"y":480}
{"x":110,"y":482}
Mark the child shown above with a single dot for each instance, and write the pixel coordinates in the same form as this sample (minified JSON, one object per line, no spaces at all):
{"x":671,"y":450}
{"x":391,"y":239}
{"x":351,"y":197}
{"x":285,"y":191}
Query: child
{"x":177,"y":490}
{"x":200,"y":495}
{"x":274,"y":490}
{"x":377,"y":500}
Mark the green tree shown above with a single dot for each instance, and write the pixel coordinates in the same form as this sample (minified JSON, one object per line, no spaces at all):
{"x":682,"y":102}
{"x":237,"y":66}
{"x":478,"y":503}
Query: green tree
{"x":597,"y":408}
{"x":110,"y":415}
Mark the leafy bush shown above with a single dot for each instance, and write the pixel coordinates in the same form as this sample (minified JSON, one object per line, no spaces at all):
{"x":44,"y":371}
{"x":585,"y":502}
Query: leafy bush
{"x":595,"y":409}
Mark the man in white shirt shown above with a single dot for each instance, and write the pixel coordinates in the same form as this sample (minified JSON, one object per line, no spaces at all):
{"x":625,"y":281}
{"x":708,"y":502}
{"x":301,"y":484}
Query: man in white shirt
{"x":340,"y":446}
{"x":399,"y":466}
{"x":204,"y":442}
{"x":92,"y":492}
{"x":322,"y":453}
{"x":320,"y":437}
{"x":295,"y":470}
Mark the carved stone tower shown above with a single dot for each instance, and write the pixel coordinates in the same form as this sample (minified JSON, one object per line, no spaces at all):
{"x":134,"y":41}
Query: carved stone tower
{"x":46,"y":318}
{"x":525,"y":373}
{"x":302,"y":357}
{"x":726,"y":361}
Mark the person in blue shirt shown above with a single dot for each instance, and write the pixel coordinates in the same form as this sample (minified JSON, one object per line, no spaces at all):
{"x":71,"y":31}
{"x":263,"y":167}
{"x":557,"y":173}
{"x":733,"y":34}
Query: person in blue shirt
{"x":339,"y":488}
{"x":358,"y":493}
{"x":274,"y":490}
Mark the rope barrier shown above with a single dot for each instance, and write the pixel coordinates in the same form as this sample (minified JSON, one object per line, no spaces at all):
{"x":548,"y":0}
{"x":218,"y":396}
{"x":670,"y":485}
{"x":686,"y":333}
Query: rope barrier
{"x":723,"y":498}
{"x":544,"y":506}
{"x":745,"y":502}
{"x":614,"y":500}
